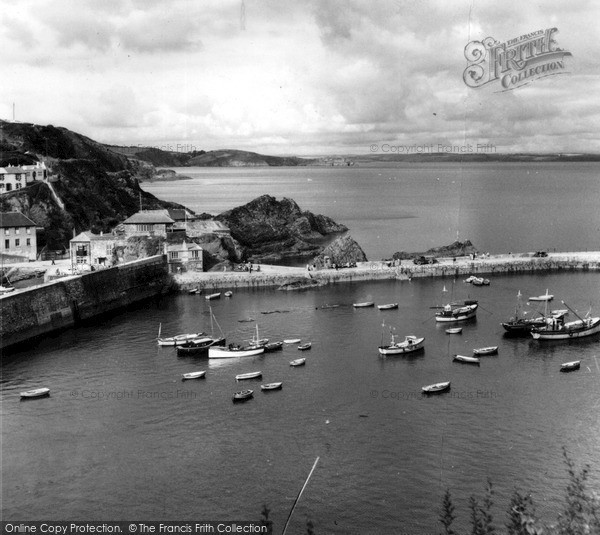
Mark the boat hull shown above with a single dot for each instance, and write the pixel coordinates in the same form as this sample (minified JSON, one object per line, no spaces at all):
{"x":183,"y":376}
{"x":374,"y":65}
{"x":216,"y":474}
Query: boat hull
{"x":410,"y":345}
{"x":246,"y":376}
{"x":36,"y":393}
{"x":466,"y":360}
{"x":391,"y":306}
{"x":457,"y":314}
{"x":570,"y":366}
{"x":486,"y":350}
{"x":243,"y":395}
{"x":436,"y":388}
{"x":226,"y":353}
{"x":568,"y":331}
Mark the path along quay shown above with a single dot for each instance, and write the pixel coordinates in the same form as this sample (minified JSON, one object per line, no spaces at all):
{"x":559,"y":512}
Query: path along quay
{"x":297,"y":278}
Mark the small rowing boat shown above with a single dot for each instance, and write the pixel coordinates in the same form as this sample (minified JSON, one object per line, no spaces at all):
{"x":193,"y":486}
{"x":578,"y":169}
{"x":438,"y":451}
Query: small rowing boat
{"x":193,"y":375}
{"x":271,"y":386}
{"x":233,"y":352}
{"x":228,"y":293}
{"x":364,"y":304}
{"x":545,"y":297}
{"x":466,"y":360}
{"x":292,"y":341}
{"x":273,"y":346}
{"x":389,"y":306}
{"x":454,"y":330}
{"x":570,"y":366}
{"x":242,"y":395}
{"x":35,"y":393}
{"x":435,"y":388}
{"x":251,"y":375}
{"x":304,"y":347}
{"x":210,"y":297}
{"x":491,"y":350}
{"x":298,"y":362}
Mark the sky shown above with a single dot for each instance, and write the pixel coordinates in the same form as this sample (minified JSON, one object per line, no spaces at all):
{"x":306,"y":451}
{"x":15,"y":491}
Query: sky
{"x":309,"y":77}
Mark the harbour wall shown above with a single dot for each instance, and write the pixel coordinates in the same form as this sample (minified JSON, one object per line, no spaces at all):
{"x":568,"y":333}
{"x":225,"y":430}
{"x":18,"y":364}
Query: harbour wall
{"x":66,"y":302}
{"x":299,"y":278}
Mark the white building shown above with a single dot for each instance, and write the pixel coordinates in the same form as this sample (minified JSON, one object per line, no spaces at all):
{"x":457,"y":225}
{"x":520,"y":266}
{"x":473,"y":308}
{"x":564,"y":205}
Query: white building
{"x":18,"y":176}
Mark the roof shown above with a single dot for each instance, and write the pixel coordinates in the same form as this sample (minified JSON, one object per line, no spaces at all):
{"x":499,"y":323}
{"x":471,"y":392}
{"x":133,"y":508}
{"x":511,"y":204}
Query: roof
{"x":180,"y":247}
{"x":15,"y":219}
{"x":13,"y":170}
{"x":90,"y":236}
{"x":148,"y":217}
{"x":177,"y":214}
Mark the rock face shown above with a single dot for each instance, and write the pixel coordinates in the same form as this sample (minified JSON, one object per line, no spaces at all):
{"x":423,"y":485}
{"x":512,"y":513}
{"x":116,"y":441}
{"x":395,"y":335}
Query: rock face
{"x":454,"y":249}
{"x":273,"y":230}
{"x":341,"y":251}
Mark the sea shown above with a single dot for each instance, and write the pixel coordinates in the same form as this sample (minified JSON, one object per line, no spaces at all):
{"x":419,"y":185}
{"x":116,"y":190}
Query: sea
{"x":122,"y":437}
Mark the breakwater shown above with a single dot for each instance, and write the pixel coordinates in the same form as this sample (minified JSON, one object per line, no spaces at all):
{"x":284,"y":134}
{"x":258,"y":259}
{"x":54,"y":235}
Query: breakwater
{"x":65,"y":302}
{"x":299,"y":278}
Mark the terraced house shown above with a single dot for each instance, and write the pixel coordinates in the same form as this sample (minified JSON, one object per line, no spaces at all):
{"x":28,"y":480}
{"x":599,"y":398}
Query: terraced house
{"x":19,"y":241}
{"x":16,"y":177}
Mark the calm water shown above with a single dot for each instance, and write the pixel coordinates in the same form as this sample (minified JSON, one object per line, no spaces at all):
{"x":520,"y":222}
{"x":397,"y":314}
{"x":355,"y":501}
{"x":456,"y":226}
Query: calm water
{"x":122,"y":437}
{"x":500,"y":207}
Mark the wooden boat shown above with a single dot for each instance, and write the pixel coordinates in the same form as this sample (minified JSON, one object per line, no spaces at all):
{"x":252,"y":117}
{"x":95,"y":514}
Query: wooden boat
{"x":486,"y":282}
{"x":193,"y":291}
{"x":199,"y":346}
{"x":410,"y":344}
{"x":570,"y":366}
{"x":470,"y":279}
{"x":178,"y":339}
{"x":304,"y":347}
{"x":250,"y":375}
{"x":228,"y":293}
{"x":292,"y":341}
{"x":327,"y":306}
{"x":243,"y":395}
{"x":545,"y":297}
{"x":210,"y":297}
{"x":35,"y":393}
{"x":273,"y":346}
{"x":271,"y":386}
{"x":452,"y":313}
{"x":233,"y":352}
{"x":298,"y":362}
{"x":477,"y":281}
{"x":364,"y":305}
{"x":435,"y":388}
{"x":557,"y":329}
{"x":389,"y":306}
{"x":465,"y":359}
{"x":491,"y":350}
{"x":193,"y":375}
{"x":519,"y":325}
{"x":454,"y":330}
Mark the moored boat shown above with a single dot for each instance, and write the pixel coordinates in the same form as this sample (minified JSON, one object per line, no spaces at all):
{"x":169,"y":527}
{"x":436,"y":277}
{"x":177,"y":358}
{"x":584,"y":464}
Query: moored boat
{"x":452,"y":313}
{"x":292,"y":340}
{"x":389,"y":306}
{"x":193,"y":291}
{"x":298,"y":362}
{"x":193,"y":375}
{"x":243,"y":395}
{"x":305,"y":346}
{"x":273,"y":346}
{"x":570,"y":366}
{"x":545,"y":297}
{"x":257,"y":341}
{"x":491,"y":350}
{"x":410,"y":344}
{"x":557,"y":329}
{"x":199,"y":346}
{"x":178,"y":339}
{"x":465,"y":359}
{"x":232,"y":352}
{"x":454,"y":330}
{"x":271,"y":386}
{"x":250,"y":375}
{"x":364,"y":304}
{"x":435,"y":388}
{"x":210,"y":297}
{"x":35,"y":393}
{"x":228,"y":293}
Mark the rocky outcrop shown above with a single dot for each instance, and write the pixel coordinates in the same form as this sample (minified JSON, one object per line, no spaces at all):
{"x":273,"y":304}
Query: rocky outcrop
{"x":272,"y":230}
{"x":457,"y":248}
{"x":344,"y":250}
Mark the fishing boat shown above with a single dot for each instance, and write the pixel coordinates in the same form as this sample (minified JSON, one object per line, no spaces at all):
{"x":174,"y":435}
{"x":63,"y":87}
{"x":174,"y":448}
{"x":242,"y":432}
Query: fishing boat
{"x":198,"y":346}
{"x":228,"y":293}
{"x":364,"y":304}
{"x":193,"y":375}
{"x":305,"y":346}
{"x":452,"y":313}
{"x":454,"y":330}
{"x":210,"y":297}
{"x":435,"y":388}
{"x":545,"y":297}
{"x":410,"y":344}
{"x":35,"y":393}
{"x":298,"y":362}
{"x":250,"y":375}
{"x":271,"y":386}
{"x":242,"y":395}
{"x":389,"y":306}
{"x":557,"y":329}
{"x":465,"y":359}
{"x":570,"y":366}
{"x":520,"y":325}
{"x":273,"y":346}
{"x":292,"y":341}
{"x":233,"y":351}
{"x":491,"y":350}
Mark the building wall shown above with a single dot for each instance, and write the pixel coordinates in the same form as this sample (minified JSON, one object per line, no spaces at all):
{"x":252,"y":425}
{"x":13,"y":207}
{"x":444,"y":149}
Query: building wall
{"x":95,"y":249}
{"x":14,"y":178}
{"x":136,"y":229}
{"x":21,"y":241}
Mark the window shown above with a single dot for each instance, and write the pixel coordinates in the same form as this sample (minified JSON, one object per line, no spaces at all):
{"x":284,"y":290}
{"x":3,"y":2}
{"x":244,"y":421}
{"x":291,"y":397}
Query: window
{"x":7,"y":244}
{"x":2,"y":177}
{"x":144,"y":228}
{"x":195,"y":254}
{"x":18,"y":176}
{"x":7,"y":231}
{"x":17,"y":230}
{"x":109,"y":248}
{"x":17,"y":242}
{"x":29,"y":241}
{"x":174,"y":255}
{"x":28,"y":230}
{"x":17,"y":186}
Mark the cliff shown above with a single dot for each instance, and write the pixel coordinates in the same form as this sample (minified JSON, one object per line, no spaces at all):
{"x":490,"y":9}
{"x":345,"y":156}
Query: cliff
{"x":272,"y":230}
{"x":457,"y":248}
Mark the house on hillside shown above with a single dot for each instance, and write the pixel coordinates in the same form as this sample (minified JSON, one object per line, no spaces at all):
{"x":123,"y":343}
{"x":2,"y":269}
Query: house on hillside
{"x":184,"y":257}
{"x":149,"y":223}
{"x":18,"y":236}
{"x":89,"y":249}
{"x":16,"y":177}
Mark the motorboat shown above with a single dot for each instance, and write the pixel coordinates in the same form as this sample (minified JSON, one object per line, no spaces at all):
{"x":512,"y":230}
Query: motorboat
{"x":410,"y":344}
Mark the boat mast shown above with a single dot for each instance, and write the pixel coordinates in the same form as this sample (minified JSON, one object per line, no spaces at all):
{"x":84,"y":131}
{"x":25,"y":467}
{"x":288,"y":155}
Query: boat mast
{"x":582,"y":320}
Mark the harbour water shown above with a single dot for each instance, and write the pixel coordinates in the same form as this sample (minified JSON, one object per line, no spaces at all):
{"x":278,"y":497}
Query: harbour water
{"x":500,"y":207}
{"x":122,"y":437}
